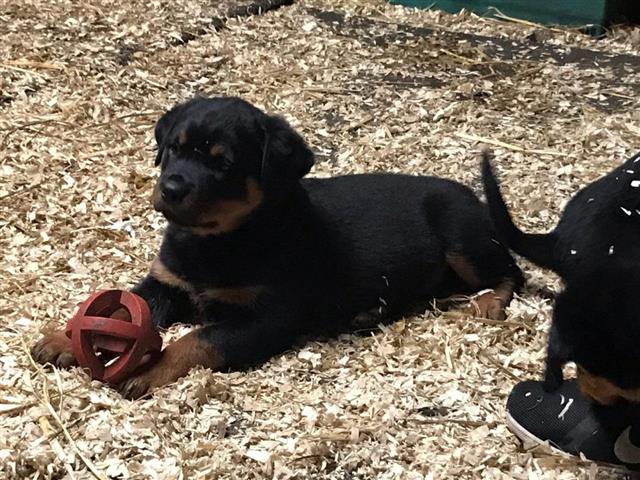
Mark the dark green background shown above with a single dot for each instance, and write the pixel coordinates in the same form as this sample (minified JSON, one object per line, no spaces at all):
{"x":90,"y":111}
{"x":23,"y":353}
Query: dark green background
{"x":550,"y":12}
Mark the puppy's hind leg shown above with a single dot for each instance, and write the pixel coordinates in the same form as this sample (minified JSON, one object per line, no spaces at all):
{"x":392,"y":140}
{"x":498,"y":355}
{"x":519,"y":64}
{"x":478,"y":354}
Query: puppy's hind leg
{"x":474,"y":254}
{"x":480,"y":271}
{"x":557,"y":356}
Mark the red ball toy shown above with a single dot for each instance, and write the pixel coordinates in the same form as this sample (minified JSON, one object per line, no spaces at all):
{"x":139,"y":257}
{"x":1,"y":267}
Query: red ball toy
{"x":112,"y":348}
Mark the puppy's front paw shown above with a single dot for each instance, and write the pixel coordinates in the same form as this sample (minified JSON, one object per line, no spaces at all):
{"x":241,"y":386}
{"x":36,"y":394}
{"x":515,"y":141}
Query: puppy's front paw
{"x":175,"y":361}
{"x":147,"y":381}
{"x":487,"y":305}
{"x":54,"y":348}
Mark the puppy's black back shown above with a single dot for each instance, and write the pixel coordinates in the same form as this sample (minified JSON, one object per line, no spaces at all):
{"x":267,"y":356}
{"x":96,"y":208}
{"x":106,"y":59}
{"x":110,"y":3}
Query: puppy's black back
{"x":600,"y":226}
{"x":393,"y":233}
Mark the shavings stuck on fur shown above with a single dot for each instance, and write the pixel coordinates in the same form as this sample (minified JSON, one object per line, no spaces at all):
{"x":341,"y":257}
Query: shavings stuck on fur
{"x":81,"y":86}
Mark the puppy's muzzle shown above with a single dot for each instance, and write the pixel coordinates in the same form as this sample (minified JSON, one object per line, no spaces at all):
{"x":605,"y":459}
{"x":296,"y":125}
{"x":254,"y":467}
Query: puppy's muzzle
{"x":174,"y":189}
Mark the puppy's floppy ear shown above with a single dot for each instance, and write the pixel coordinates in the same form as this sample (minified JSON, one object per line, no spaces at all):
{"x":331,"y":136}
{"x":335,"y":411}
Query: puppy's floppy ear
{"x":163,"y":127}
{"x":286,"y":154}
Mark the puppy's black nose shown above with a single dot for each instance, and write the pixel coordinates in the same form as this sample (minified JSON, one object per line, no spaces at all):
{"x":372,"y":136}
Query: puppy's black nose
{"x":174,"y":189}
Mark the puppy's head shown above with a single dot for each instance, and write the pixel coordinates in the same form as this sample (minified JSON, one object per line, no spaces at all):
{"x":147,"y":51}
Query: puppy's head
{"x":220,"y":160}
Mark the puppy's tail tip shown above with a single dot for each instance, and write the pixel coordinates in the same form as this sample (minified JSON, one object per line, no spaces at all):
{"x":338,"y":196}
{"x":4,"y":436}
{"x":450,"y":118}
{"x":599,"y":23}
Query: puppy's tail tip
{"x":497,"y":207}
{"x":537,"y":248}
{"x":485,"y":152}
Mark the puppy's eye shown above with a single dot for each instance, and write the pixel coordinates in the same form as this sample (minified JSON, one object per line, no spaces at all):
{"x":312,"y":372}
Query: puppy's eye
{"x":220,"y":164}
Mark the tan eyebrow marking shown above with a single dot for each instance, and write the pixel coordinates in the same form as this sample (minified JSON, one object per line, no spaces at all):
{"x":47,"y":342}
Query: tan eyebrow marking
{"x":216,"y":150}
{"x":227,"y":215}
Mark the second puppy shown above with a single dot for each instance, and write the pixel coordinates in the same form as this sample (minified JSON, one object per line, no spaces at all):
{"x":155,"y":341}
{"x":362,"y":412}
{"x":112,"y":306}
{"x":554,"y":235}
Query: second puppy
{"x":595,"y":248}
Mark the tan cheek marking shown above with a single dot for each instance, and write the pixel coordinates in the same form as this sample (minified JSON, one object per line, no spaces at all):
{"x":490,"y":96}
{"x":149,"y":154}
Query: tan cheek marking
{"x":182,"y":137}
{"x":229,"y":214}
{"x":216,"y":150}
{"x":156,"y":195}
{"x":233,"y":296}
{"x":632,"y":395}
{"x":602,"y":390}
{"x":160,"y":272}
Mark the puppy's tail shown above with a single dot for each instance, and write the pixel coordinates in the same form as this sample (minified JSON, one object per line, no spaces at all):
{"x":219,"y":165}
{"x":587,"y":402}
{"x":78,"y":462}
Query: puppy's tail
{"x":539,"y":248}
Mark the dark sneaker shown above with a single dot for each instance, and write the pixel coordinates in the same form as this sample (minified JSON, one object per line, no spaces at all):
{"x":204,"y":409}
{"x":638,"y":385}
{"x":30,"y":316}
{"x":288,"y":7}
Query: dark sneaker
{"x":571,"y":423}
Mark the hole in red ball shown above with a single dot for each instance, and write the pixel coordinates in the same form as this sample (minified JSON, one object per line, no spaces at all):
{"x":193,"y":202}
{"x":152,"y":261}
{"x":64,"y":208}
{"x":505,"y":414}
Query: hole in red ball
{"x":107,"y":343}
{"x":109,"y":349}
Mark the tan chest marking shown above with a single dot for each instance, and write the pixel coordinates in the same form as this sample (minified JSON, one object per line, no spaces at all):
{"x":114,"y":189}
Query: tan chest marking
{"x":604,"y":391}
{"x":230,"y":296}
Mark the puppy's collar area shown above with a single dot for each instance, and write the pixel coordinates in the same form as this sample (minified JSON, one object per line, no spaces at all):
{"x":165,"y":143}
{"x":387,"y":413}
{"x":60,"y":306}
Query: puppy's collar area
{"x":194,"y":225}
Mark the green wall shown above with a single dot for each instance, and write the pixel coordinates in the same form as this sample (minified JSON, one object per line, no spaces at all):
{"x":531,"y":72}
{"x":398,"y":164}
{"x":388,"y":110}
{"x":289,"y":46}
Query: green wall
{"x":557,"y":12}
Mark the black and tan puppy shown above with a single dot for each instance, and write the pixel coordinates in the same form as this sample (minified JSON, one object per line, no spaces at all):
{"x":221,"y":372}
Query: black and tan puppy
{"x":260,"y":257}
{"x":595,"y":248}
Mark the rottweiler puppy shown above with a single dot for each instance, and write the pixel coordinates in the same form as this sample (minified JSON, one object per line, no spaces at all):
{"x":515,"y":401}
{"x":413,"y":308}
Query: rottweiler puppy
{"x":260,"y":257}
{"x":595,"y":248}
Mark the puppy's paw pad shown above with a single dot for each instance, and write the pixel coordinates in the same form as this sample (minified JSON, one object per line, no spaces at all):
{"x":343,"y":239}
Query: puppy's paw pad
{"x":145,"y":382}
{"x":135,"y":387}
